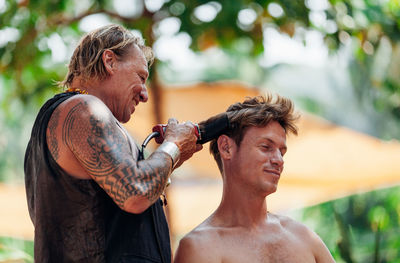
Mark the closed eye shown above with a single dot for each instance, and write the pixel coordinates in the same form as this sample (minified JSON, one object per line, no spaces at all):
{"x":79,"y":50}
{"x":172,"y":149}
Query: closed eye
{"x":266,"y":147}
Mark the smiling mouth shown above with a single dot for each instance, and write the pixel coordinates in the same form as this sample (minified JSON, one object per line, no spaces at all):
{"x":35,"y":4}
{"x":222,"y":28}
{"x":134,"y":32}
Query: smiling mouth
{"x":277,"y":173}
{"x":133,"y":107}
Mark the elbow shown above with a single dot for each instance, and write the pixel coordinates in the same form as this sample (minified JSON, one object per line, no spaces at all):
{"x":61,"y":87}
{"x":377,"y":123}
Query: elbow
{"x":135,"y":209}
{"x":136,"y":205}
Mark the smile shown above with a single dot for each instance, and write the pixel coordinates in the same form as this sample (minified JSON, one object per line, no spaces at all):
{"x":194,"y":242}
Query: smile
{"x":276,"y":172}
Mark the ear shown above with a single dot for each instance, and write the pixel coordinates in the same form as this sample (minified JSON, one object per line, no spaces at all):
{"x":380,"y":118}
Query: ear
{"x":225,"y":147}
{"x":108,"y":58}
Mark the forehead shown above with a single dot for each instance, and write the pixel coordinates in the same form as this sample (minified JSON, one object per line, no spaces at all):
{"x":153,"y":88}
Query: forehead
{"x":273,"y":131}
{"x":136,"y":54}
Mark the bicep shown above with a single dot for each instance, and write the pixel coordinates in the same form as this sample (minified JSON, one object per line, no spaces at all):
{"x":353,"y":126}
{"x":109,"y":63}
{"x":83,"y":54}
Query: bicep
{"x":320,"y":250}
{"x":91,"y":133}
{"x":99,"y":144}
{"x":312,"y":241}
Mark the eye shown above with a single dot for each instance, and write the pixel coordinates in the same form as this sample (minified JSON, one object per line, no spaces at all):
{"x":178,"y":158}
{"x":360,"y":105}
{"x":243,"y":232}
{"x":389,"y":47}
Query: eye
{"x":266,"y":147}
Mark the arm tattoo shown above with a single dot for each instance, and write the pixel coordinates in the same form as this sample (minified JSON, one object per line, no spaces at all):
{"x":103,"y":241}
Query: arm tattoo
{"x":104,"y":152}
{"x":52,"y":139}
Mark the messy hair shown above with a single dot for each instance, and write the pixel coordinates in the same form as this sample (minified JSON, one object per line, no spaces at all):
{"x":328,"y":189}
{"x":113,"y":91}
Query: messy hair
{"x":86,"y":61}
{"x":257,"y":111}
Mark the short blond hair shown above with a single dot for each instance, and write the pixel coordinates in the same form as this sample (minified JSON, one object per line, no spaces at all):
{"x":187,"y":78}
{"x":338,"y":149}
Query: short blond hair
{"x":86,"y":61}
{"x":257,"y":111}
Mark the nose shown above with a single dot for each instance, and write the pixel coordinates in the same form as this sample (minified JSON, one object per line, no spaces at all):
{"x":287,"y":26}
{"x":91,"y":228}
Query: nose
{"x":277,"y":160}
{"x":144,"y":96}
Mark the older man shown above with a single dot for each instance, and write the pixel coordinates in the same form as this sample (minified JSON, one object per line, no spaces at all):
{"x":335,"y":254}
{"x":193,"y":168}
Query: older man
{"x":90,"y":197}
{"x":250,"y":158}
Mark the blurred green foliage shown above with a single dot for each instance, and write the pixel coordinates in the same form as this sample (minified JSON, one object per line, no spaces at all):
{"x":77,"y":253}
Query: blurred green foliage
{"x":29,"y":67}
{"x":16,"y":250}
{"x":362,"y":228}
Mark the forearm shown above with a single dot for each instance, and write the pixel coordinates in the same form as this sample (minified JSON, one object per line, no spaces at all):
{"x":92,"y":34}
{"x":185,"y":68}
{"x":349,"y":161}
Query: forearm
{"x":134,"y":186}
{"x":149,"y":181}
{"x":102,"y":149}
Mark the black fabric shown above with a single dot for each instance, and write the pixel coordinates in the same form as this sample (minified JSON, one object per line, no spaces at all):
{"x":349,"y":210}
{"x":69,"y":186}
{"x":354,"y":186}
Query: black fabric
{"x":153,"y":223}
{"x":75,"y":220}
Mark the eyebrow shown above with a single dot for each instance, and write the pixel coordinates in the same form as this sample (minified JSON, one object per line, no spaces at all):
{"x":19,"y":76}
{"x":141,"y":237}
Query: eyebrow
{"x":273,"y":142}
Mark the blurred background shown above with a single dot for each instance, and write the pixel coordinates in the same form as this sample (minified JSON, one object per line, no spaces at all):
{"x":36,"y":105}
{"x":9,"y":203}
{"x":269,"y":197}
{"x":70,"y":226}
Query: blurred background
{"x":338,"y":60}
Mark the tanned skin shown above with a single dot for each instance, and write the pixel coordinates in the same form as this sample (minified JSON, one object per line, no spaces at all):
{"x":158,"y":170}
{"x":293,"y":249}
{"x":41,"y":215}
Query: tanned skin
{"x":242,"y":229}
{"x":85,"y":136}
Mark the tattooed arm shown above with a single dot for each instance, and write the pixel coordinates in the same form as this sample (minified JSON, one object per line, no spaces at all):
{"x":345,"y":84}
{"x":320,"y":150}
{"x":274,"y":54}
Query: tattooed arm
{"x":91,"y":133}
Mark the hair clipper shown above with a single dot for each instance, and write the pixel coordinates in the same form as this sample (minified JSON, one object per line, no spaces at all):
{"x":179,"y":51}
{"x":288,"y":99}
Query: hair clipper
{"x":205,"y":130}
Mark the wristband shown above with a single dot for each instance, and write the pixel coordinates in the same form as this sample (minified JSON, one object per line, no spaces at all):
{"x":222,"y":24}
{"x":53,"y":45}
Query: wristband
{"x":172,"y":150}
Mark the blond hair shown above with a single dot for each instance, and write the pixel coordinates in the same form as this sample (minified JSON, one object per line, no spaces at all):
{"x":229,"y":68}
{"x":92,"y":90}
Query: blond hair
{"x":86,"y":61}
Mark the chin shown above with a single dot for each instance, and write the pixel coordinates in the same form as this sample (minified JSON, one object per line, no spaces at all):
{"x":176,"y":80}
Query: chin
{"x":126,"y":120}
{"x":270,"y":190}
{"x":127,"y":116}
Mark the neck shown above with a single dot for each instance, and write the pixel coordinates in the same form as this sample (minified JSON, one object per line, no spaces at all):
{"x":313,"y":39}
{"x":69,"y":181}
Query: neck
{"x":86,"y":87}
{"x":243,"y":208}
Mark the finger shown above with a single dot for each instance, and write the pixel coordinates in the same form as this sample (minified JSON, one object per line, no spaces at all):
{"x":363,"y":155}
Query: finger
{"x":172,"y":121}
{"x":189,"y":122}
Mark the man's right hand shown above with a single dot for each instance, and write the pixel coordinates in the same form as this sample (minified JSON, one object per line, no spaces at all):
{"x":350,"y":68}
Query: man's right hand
{"x":184,"y":136}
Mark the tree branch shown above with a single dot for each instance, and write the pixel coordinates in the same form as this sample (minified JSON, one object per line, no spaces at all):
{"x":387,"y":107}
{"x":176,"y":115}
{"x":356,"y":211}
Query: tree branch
{"x":60,"y":19}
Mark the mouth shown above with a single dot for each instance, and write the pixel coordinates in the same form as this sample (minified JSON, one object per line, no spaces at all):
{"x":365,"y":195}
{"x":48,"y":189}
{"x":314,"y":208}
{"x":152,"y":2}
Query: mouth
{"x":275,"y":172}
{"x":133,"y":106}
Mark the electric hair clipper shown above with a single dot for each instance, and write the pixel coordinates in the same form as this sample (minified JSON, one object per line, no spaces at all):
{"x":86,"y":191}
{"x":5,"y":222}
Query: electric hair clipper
{"x":205,"y":130}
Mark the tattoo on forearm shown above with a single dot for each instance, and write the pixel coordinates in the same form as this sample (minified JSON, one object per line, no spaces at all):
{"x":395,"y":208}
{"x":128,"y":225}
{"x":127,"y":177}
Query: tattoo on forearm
{"x":104,"y":152}
{"x":52,"y":141}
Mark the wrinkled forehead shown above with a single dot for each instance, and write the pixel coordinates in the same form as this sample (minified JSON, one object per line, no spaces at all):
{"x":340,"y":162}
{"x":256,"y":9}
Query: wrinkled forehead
{"x":135,"y":55}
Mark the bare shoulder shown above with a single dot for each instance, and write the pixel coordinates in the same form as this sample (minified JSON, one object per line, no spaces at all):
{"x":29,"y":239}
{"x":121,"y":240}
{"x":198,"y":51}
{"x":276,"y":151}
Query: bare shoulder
{"x":80,"y":108}
{"x":75,"y":117}
{"x":294,"y":227}
{"x":84,"y":115}
{"x":85,"y":105}
{"x":308,"y":236}
{"x":200,"y":245}
{"x":78,"y":130}
{"x":75,"y":110}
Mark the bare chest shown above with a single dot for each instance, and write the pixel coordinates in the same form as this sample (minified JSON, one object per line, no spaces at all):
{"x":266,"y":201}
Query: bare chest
{"x":274,"y":248}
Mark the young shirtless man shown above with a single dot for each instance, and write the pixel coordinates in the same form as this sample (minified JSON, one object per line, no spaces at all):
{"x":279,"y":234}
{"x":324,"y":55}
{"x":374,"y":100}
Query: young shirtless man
{"x":250,"y":158}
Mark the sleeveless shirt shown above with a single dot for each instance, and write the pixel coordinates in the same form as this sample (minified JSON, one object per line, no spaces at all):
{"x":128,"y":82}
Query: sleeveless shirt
{"x":75,"y":220}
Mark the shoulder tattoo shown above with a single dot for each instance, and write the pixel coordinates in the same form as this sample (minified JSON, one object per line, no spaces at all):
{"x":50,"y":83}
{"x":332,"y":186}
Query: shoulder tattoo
{"x":52,"y":139}
{"x":104,"y":152}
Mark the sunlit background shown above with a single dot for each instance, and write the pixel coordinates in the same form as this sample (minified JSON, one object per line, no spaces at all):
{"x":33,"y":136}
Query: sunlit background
{"x":338,"y":60}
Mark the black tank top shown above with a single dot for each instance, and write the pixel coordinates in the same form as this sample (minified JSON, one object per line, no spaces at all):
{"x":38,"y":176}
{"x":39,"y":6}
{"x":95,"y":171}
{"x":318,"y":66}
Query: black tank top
{"x":75,"y":220}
